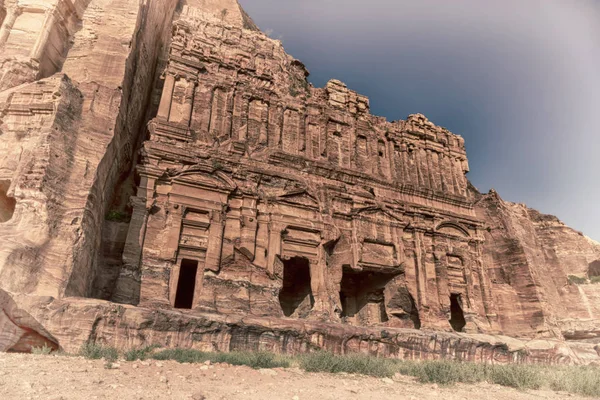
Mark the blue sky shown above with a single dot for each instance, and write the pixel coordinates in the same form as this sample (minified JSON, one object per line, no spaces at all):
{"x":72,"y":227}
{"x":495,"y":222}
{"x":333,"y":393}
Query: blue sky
{"x":519,"y":80}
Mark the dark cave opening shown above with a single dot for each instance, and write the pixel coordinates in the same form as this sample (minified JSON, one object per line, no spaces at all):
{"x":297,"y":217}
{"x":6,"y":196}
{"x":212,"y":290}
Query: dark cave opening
{"x":594,"y":269}
{"x":362,"y":296}
{"x":7,"y":204}
{"x":457,"y":317}
{"x":296,"y":295}
{"x":186,"y":284}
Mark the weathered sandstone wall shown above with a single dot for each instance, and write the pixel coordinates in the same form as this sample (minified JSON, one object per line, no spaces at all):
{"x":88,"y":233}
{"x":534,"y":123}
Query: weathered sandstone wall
{"x":530,"y":257}
{"x":169,"y":156}
{"x":55,"y":232}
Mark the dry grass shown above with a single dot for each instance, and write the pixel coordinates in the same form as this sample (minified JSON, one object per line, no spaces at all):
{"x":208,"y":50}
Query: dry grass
{"x":572,"y":379}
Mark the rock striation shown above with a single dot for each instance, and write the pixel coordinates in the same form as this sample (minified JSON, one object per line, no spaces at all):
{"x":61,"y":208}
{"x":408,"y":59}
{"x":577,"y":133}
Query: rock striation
{"x":168,"y":175}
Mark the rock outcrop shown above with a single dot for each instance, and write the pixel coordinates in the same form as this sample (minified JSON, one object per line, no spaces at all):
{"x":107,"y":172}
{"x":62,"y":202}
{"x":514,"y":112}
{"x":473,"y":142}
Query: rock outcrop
{"x":168,"y":175}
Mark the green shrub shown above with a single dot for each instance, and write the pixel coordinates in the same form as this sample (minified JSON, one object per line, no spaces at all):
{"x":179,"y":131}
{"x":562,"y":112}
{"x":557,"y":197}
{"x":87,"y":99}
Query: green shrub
{"x":516,"y":376}
{"x":141,"y":353}
{"x":256,"y":360}
{"x":95,"y":351}
{"x":446,"y":372}
{"x":252,"y":359}
{"x":44,"y":350}
{"x":117,"y":216}
{"x":322,"y":361}
{"x":576,"y":280}
{"x":580,"y":380}
{"x":595,"y":279}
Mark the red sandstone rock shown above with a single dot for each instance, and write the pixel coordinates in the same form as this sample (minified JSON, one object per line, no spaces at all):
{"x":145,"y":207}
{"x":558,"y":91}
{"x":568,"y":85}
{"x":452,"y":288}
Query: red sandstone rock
{"x":178,"y":160}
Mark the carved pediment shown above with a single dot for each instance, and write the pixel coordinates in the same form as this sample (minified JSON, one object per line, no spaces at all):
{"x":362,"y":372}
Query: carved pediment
{"x":378,"y":213}
{"x":203,"y":176}
{"x":452,"y":229}
{"x":299,"y":197}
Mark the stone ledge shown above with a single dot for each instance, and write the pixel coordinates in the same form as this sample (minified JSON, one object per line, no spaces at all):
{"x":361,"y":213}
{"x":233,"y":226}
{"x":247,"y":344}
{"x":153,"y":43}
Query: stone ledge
{"x":73,"y":321}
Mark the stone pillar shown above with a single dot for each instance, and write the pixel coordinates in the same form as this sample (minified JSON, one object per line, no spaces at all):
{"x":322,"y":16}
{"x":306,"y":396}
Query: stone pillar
{"x":232,"y":230}
{"x":392,"y":161}
{"x":420,"y":269}
{"x":430,"y":172}
{"x":215,"y":242}
{"x":188,"y":102}
{"x":9,"y":22}
{"x":443,"y":184}
{"x":262,"y":241}
{"x":127,"y":287}
{"x":274,"y":246}
{"x":249,"y":227}
{"x":2,"y":12}
{"x":441,"y":275}
{"x":42,"y":41}
{"x":167,"y":96}
{"x":135,"y":235}
{"x":317,"y":285}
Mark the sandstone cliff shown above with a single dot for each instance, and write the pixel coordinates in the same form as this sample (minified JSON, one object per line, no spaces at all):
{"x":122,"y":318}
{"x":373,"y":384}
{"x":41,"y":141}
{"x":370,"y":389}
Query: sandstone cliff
{"x":168,"y":175}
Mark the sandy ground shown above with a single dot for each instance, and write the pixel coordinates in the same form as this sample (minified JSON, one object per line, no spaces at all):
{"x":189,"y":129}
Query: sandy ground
{"x":25,"y":376}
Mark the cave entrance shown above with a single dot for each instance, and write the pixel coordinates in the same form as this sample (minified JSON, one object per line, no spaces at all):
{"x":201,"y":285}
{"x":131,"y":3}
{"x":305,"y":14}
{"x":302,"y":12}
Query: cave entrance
{"x":457,"y":317}
{"x":296,"y":298}
{"x":186,"y":284}
{"x":7,"y":204}
{"x":362,"y":296}
{"x":594,"y":270}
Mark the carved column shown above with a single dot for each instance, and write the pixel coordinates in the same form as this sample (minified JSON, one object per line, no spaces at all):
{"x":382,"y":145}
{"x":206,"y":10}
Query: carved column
{"x":9,"y":22}
{"x":215,"y":242}
{"x":431,"y":167}
{"x":128,"y":283}
{"x":441,"y":275}
{"x":420,"y":268}
{"x":274,"y":246}
{"x":392,"y":161}
{"x":262,"y":241}
{"x":188,"y":102}
{"x":167,"y":96}
{"x":444,"y":185}
{"x":42,"y":41}
{"x":249,"y":227}
{"x":2,"y":12}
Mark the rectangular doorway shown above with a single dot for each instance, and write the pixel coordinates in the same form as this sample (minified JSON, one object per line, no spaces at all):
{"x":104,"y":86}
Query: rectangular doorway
{"x":186,"y":284}
{"x":362,"y":296}
{"x":296,"y":298}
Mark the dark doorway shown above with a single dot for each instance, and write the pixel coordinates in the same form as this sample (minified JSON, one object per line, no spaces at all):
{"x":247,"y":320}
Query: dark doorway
{"x":457,"y":317}
{"x":295,"y":297}
{"x":362,"y":297}
{"x":186,"y":284}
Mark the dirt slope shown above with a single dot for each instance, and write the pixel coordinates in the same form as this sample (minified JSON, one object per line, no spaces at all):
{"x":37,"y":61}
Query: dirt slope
{"x":53,"y":378}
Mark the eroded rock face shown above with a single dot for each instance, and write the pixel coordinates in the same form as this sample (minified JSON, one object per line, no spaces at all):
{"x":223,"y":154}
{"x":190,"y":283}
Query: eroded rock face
{"x":172,"y":157}
{"x":19,"y":331}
